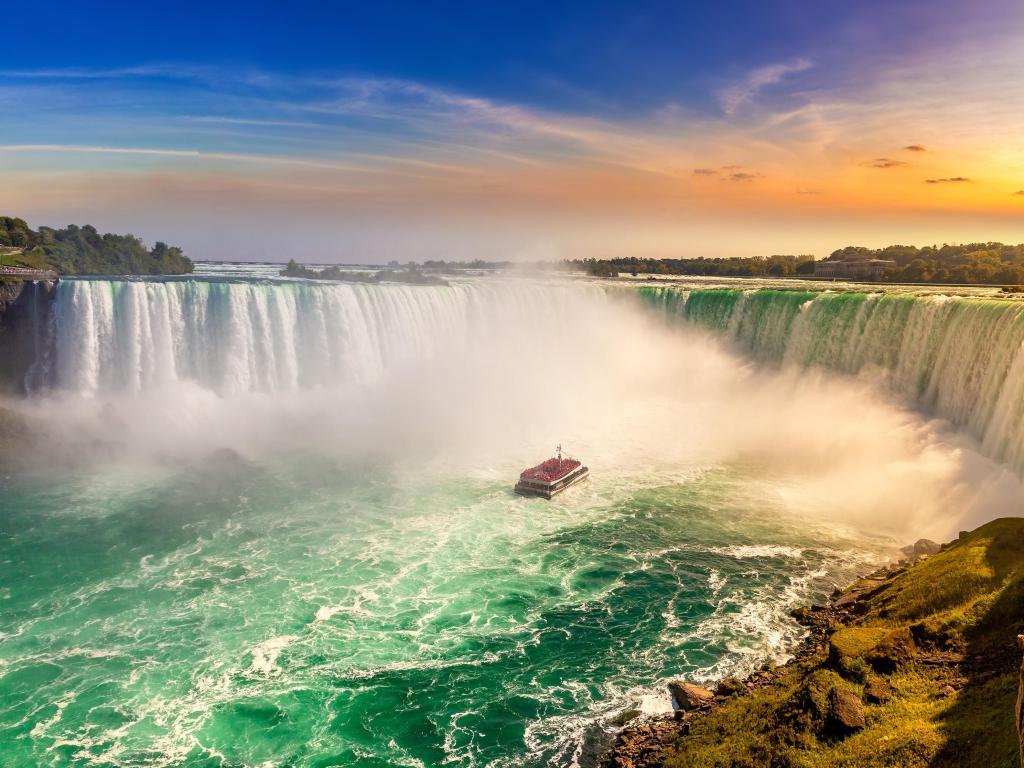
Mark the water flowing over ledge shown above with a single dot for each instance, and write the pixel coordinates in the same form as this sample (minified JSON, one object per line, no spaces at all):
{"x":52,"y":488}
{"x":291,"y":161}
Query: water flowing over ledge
{"x":109,"y":336}
{"x":115,"y":335}
{"x":959,"y":358}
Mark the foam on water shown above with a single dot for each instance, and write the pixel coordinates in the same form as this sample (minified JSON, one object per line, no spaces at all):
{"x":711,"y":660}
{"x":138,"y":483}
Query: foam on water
{"x":282,"y":531}
{"x":298,"y":626}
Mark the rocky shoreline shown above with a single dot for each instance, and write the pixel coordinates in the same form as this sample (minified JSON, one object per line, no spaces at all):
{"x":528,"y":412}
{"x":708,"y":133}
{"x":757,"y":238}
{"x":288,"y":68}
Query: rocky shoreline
{"x":814,"y":688}
{"x":643,"y":745}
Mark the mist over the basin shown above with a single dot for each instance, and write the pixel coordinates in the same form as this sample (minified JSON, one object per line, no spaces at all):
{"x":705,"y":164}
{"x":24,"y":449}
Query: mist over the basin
{"x":482,"y":378}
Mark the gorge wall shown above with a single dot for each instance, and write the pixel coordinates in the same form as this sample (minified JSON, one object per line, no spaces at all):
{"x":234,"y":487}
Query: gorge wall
{"x":24,"y":331}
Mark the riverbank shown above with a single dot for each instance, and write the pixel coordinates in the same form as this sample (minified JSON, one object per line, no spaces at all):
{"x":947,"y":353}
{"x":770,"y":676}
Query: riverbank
{"x":910,"y":666}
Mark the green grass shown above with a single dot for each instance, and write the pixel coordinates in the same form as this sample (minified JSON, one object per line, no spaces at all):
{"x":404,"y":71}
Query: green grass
{"x":969,"y":597}
{"x":856,"y":642}
{"x":15,"y":257}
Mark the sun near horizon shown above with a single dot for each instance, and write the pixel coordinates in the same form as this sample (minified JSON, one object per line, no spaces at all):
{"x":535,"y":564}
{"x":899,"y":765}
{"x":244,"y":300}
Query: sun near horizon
{"x":353,"y":133}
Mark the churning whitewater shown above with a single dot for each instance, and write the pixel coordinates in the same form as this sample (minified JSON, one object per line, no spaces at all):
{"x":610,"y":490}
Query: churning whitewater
{"x":276,"y":523}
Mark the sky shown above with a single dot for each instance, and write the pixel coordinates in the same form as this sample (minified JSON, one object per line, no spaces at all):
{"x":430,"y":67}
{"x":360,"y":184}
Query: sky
{"x":361,"y":133}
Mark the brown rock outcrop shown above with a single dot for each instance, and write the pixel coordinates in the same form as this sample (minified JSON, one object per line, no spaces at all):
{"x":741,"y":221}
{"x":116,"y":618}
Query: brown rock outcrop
{"x":688,"y":696}
{"x":644,"y":746}
{"x":846,"y":711}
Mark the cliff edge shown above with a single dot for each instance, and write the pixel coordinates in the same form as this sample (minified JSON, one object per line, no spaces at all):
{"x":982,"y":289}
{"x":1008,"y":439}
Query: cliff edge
{"x":913,"y":666}
{"x":24,"y":329}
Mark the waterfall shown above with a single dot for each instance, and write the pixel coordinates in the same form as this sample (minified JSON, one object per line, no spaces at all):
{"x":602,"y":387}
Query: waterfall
{"x":958,"y":358}
{"x":236,"y":336}
{"x":955,"y":357}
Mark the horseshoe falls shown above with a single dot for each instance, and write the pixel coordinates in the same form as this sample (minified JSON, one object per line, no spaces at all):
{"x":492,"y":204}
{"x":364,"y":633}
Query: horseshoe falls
{"x":244,"y":336}
{"x":270,"y":523}
{"x":956,"y":357}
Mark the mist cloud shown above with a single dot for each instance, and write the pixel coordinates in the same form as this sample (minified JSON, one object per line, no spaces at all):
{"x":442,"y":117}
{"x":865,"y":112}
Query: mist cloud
{"x":645,"y":405}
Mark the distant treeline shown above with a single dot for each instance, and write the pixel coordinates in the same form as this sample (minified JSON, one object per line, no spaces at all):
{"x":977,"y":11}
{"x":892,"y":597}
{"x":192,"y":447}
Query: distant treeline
{"x":754,"y":266}
{"x":409,"y":275}
{"x":455,"y":266}
{"x":972,"y":263}
{"x":76,"y":250}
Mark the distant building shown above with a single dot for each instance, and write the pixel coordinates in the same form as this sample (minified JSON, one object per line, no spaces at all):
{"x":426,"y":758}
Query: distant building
{"x":855,"y":269}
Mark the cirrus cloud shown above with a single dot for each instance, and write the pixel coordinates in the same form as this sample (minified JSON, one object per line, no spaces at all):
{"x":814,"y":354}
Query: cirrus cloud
{"x":735,"y":96}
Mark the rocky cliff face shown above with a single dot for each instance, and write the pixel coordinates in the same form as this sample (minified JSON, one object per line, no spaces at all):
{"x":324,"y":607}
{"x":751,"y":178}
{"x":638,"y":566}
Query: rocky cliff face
{"x":24,"y":330}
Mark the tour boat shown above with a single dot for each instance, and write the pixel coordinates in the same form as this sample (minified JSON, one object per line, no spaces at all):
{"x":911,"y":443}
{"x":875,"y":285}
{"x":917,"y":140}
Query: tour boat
{"x":552,"y":476}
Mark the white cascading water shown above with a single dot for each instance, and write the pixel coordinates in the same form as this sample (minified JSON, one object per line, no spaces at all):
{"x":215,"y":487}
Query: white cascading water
{"x":958,"y":358}
{"x":236,"y":337}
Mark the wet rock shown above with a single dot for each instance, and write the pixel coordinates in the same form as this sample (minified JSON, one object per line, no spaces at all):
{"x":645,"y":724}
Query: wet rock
{"x":687,"y":696}
{"x":877,"y":691}
{"x":846,"y":711}
{"x":643,"y":746}
{"x":729,"y":687}
{"x":624,"y":717}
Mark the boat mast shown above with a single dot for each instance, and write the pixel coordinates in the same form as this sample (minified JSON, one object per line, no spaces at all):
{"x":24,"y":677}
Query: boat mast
{"x":558,"y":452}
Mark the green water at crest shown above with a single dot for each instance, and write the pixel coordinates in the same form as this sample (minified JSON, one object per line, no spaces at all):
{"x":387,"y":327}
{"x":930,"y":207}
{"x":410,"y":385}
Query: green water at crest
{"x":306,"y":614}
{"x":958,"y":358}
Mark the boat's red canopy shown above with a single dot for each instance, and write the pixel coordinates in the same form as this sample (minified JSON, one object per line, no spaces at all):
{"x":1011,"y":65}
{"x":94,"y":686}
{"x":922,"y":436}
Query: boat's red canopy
{"x":550,"y":470}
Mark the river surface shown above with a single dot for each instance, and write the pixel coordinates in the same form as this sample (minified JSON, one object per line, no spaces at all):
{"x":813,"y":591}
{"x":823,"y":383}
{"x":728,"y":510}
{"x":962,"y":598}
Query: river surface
{"x":278,"y":527}
{"x":306,"y":613}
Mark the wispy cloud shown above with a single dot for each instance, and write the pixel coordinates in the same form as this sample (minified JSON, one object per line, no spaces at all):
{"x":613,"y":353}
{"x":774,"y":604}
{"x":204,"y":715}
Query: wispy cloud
{"x":194,"y":154}
{"x":84,"y":73}
{"x":915,"y":148}
{"x":883,"y":162}
{"x":949,"y":180}
{"x":744,"y":176}
{"x":728,"y":173}
{"x":217,"y":120}
{"x":739,"y":94}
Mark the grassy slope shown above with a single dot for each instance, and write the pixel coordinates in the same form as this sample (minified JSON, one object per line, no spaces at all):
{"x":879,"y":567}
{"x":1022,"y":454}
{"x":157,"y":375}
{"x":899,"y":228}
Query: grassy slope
{"x":15,"y":257}
{"x":963,"y":607}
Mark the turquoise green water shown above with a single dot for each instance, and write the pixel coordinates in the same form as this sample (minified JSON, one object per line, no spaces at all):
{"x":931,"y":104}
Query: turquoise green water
{"x":297,"y":610}
{"x":309,"y":614}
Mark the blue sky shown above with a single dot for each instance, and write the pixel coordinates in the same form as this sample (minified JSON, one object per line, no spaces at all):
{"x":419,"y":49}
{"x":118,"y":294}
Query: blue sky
{"x":594,"y":56}
{"x":513,"y":128}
